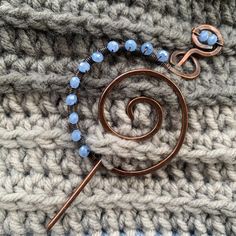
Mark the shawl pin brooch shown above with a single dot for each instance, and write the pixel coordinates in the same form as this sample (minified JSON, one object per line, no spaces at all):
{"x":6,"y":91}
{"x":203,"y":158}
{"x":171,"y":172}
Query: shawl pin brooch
{"x":207,"y":41}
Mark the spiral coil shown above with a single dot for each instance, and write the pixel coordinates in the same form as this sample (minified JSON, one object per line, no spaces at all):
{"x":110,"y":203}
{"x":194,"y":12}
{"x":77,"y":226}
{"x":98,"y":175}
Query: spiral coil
{"x":159,"y":110}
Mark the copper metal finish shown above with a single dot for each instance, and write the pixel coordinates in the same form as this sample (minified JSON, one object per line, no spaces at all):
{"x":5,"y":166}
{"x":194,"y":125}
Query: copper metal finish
{"x":69,"y":201}
{"x":174,"y":65}
{"x":153,"y":75}
{"x":201,"y":49}
{"x":130,"y":107}
{"x":131,"y":104}
{"x":177,"y":69}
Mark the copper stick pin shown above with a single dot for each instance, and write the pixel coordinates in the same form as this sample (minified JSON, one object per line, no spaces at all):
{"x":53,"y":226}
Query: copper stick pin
{"x":77,"y":191}
{"x":199,"y":49}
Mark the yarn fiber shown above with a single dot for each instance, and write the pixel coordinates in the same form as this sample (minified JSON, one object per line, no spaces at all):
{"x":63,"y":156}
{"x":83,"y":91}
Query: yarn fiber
{"x":41,"y":44}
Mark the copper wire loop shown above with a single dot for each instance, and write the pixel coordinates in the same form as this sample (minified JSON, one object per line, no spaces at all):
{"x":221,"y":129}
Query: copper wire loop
{"x":201,"y":49}
{"x":152,"y":74}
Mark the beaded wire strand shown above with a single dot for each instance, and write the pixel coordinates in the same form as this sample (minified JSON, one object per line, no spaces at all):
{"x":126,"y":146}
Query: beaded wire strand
{"x":161,"y":56}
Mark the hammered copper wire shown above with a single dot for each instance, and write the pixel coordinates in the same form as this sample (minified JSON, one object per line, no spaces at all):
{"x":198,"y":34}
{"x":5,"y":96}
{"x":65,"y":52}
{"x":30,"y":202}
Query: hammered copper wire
{"x":129,"y":109}
{"x":77,"y":191}
{"x":156,"y":75}
{"x":186,"y":75}
{"x":130,"y":106}
{"x":201,"y":49}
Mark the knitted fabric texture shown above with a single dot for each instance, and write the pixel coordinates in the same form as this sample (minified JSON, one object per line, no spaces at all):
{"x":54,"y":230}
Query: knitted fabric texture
{"x":41,"y":44}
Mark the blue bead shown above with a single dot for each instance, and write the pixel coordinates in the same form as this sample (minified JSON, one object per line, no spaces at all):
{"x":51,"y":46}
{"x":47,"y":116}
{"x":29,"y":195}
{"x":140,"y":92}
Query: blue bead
{"x":147,"y":48}
{"x":84,"y":151}
{"x":162,"y":56}
{"x":71,"y":99}
{"x":84,"y":66}
{"x":113,"y":46}
{"x":74,"y":82}
{"x":73,"y":118}
{"x":97,"y":57}
{"x":130,"y":45}
{"x":76,"y":135}
{"x":203,"y":36}
{"x":212,"y":40}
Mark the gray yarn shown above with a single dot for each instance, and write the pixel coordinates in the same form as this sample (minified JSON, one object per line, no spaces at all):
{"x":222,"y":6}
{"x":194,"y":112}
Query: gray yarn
{"x":41,"y":43}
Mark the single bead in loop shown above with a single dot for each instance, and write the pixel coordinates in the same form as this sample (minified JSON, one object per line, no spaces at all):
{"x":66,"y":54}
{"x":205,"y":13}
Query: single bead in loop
{"x":162,"y":56}
{"x":84,"y":67}
{"x":76,"y":135}
{"x":84,"y":151}
{"x":75,"y":82}
{"x":203,"y":36}
{"x":212,"y":40}
{"x":97,"y":57}
{"x":73,"y":118}
{"x":130,"y":45}
{"x":71,"y":99}
{"x":147,"y":48}
{"x":113,"y":46}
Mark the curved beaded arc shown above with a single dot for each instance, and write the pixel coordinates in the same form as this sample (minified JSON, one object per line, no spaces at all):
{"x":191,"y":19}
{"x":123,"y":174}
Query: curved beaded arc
{"x":97,"y":57}
{"x":146,"y":49}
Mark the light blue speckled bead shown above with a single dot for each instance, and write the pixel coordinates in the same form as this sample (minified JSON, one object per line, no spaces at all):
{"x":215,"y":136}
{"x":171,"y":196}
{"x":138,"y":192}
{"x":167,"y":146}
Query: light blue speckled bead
{"x":73,"y":118}
{"x":162,"y":56}
{"x":76,"y":135}
{"x":74,"y":82}
{"x":71,"y":99}
{"x":203,"y":36}
{"x":84,"y":151}
{"x":97,"y":57}
{"x":130,"y":45}
{"x":113,"y":46}
{"x":212,"y":40}
{"x":84,"y":66}
{"x":147,"y":48}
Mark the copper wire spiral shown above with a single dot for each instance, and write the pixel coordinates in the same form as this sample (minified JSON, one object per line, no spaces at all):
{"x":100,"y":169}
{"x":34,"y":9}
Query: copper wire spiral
{"x":156,"y":105}
{"x":130,"y":110}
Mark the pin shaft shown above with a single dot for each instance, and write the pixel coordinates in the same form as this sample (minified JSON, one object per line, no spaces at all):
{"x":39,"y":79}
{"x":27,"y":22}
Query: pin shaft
{"x":77,"y":191}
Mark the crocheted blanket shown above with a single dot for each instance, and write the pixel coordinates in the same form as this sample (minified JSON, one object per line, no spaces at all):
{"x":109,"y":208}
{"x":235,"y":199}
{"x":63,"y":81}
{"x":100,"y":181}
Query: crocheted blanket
{"x":41,"y":44}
